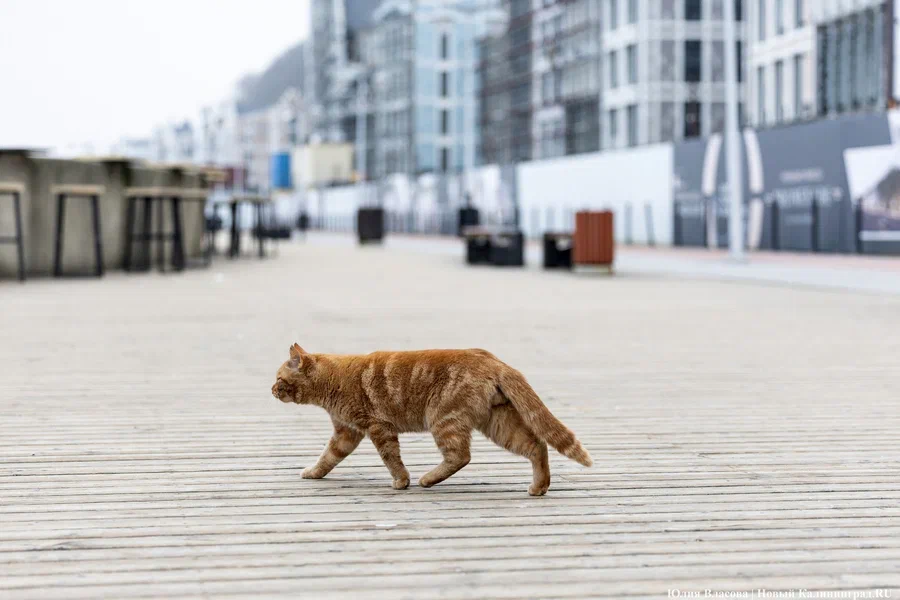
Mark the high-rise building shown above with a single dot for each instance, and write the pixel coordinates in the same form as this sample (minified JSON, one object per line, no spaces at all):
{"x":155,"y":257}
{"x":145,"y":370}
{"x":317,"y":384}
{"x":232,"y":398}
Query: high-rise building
{"x":566,"y":77}
{"x":335,"y":27}
{"x":664,"y":76}
{"x":585,"y":75}
{"x":408,"y":68}
{"x":817,"y":58}
{"x":780,"y":53}
{"x":852,"y":45}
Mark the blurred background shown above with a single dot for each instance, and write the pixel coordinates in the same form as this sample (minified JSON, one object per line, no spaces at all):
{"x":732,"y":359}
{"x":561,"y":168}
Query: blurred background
{"x":527,"y":109}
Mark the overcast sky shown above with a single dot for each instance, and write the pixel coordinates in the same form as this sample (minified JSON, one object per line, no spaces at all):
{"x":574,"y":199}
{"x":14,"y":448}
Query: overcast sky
{"x":79,"y":71}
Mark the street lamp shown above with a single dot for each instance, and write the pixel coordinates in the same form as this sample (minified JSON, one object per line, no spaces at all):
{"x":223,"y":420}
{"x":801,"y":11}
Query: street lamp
{"x":732,"y":143}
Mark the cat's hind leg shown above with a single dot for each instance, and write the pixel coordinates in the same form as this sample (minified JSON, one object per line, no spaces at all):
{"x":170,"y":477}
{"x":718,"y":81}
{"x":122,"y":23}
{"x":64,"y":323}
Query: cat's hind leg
{"x":388,"y":445}
{"x":507,"y":429}
{"x":343,"y":441}
{"x":453,"y":438}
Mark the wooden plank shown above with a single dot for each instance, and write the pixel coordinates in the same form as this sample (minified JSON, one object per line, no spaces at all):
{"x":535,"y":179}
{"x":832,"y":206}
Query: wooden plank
{"x":150,"y":461}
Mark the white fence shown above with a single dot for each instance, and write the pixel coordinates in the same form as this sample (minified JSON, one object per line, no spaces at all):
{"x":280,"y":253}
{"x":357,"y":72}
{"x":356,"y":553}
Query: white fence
{"x":635,"y":184}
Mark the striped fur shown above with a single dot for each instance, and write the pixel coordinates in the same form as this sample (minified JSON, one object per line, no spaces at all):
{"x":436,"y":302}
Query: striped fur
{"x":446,"y":392}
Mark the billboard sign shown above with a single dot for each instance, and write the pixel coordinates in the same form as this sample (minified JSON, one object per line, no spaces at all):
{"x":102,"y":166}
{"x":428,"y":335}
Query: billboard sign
{"x":795,"y":186}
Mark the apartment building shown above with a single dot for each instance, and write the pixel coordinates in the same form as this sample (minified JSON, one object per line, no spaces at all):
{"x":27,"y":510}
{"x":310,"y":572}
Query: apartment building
{"x":409,"y":70}
{"x":665,"y":70}
{"x":817,"y":58}
{"x":567,"y":72}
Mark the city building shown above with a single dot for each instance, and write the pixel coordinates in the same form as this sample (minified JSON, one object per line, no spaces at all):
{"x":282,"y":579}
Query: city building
{"x":817,"y":58}
{"x":406,"y":70}
{"x":219,"y":135}
{"x":566,"y":77}
{"x":172,"y":142}
{"x":588,"y":75}
{"x":781,"y":44}
{"x":265,"y":131}
{"x":664,"y":75}
{"x":135,"y":148}
{"x":494,"y":97}
{"x":335,"y":27}
{"x":853,"y":54}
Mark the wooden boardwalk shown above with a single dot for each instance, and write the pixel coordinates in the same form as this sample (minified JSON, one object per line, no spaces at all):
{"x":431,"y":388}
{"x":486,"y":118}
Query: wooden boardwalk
{"x":744,"y":436}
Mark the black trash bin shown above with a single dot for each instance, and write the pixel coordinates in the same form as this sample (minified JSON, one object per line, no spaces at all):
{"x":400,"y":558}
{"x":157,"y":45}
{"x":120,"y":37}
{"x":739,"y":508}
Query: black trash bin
{"x":370,"y":225}
{"x":557,"y":250}
{"x":478,"y":247}
{"x":303,"y":222}
{"x":508,"y":249}
{"x":468,"y":217}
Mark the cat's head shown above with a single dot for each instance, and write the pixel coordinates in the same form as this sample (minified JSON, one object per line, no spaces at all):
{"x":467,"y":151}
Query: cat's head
{"x":292,"y":375}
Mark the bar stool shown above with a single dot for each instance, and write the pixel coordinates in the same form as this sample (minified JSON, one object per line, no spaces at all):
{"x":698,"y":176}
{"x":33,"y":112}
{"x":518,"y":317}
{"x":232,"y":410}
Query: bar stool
{"x":159,"y":195}
{"x":149,"y":196}
{"x":91,"y":193}
{"x":15,"y":190}
{"x":179,"y":197}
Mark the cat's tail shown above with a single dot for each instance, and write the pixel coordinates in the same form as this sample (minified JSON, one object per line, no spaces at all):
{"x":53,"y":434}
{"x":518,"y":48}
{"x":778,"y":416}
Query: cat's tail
{"x":539,"y":418}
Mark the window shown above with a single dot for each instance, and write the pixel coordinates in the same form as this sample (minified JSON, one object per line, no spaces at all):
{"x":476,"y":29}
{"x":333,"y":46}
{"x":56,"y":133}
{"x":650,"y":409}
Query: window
{"x":445,"y":84}
{"x":692,"y":61}
{"x":691,"y":119}
{"x":445,"y":122}
{"x":799,"y":17}
{"x":547,"y":87}
{"x":779,"y":17}
{"x":632,"y":11}
{"x":666,"y":121}
{"x":779,"y":91}
{"x":693,"y":10}
{"x":798,"y":86}
{"x":760,"y":95}
{"x":613,"y":70}
{"x":445,"y":46}
{"x":739,"y":53}
{"x":717,"y":117}
{"x":738,"y":10}
{"x":631,"y":55}
{"x":717,"y":62}
{"x":632,"y":126}
{"x":445,"y":159}
{"x":761,"y":20}
{"x":613,"y":128}
{"x":613,"y":14}
{"x":667,"y":10}
{"x":718,"y":10}
{"x":666,"y":57}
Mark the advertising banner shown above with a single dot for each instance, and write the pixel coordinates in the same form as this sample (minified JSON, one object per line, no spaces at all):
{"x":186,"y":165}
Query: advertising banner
{"x":796,"y":194}
{"x":873,"y":177}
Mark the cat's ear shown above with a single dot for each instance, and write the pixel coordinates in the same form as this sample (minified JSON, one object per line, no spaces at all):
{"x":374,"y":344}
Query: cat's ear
{"x":297,"y":352}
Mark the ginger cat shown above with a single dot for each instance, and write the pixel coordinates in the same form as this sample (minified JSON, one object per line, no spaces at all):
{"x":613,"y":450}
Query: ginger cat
{"x":446,"y":392}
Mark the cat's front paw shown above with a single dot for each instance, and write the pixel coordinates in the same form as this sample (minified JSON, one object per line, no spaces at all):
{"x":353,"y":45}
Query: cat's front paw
{"x":312,"y":473}
{"x":538,"y":489}
{"x":401,"y":484}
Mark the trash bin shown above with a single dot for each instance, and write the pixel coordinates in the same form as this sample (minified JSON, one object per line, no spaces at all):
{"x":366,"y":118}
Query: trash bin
{"x":468,"y":217}
{"x":478,"y":246}
{"x":594,"y":242}
{"x":370,"y":225}
{"x":557,"y":250}
{"x":303,"y":222}
{"x":508,"y":249}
